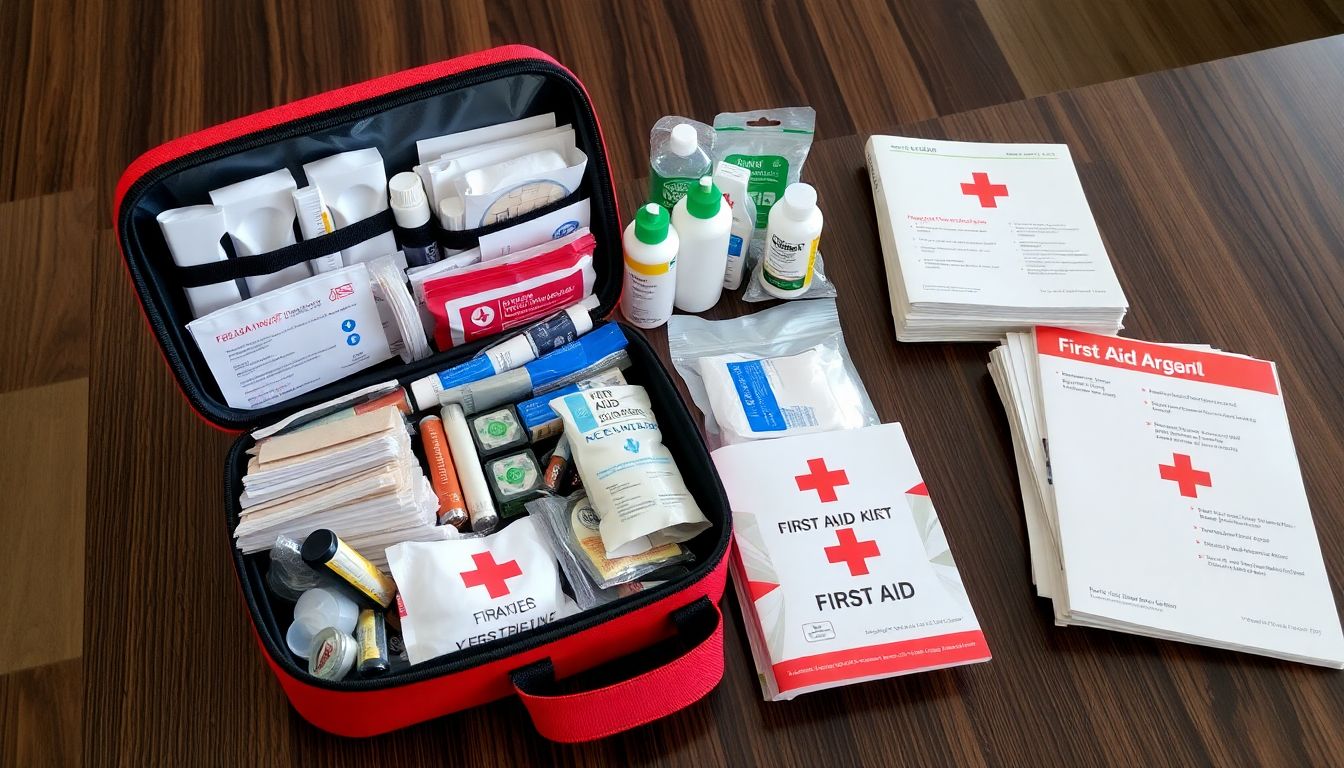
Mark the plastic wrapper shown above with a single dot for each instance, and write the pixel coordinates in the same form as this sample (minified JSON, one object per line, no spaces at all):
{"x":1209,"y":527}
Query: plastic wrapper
{"x":570,"y":527}
{"x":780,"y":372}
{"x":289,"y":577}
{"x":772,"y":144}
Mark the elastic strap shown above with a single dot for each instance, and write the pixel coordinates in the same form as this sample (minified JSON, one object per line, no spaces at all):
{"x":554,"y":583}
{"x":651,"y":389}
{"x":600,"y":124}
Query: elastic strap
{"x":274,"y":261}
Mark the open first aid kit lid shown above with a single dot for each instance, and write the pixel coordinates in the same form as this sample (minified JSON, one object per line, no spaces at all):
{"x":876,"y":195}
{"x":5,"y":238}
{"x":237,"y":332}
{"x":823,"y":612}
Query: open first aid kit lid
{"x":390,"y":113}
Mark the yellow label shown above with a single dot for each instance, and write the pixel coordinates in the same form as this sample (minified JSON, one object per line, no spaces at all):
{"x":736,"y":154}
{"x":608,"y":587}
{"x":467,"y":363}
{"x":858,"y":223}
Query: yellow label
{"x":811,"y":261}
{"x":647,"y":269}
{"x":362,"y":575}
{"x":368,"y":635}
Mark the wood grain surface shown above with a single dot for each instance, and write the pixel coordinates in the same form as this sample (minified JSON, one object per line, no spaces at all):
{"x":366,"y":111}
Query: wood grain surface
{"x":1217,"y":190}
{"x":1229,"y":170}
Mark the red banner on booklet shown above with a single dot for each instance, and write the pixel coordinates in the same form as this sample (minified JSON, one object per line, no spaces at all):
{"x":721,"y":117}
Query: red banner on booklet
{"x":1159,"y":359}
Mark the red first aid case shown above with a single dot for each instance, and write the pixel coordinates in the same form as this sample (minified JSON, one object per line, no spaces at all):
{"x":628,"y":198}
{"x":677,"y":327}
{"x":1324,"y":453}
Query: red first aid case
{"x":583,"y":677}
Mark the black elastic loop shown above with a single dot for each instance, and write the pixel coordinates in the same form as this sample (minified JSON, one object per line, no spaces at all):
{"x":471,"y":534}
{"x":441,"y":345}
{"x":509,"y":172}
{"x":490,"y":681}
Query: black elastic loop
{"x":274,"y":261}
{"x":695,"y":622}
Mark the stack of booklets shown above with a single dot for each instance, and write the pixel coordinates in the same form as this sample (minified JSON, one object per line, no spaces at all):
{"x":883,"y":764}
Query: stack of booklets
{"x":357,"y":477}
{"x":840,"y":563}
{"x":1163,"y":495}
{"x":982,"y":239}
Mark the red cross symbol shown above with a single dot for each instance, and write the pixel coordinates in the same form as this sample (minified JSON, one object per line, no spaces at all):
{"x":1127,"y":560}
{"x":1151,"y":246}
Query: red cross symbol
{"x":491,"y":575}
{"x":852,"y":552}
{"x":1185,"y":475}
{"x":821,"y":479}
{"x":981,"y":188}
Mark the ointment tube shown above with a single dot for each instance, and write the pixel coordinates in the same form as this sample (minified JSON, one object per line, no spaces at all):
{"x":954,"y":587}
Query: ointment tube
{"x":323,"y":550}
{"x":443,"y":473}
{"x":480,"y":506}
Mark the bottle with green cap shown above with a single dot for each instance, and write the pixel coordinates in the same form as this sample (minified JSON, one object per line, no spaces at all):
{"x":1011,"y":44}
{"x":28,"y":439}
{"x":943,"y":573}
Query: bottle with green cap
{"x":650,"y":284}
{"x":703,"y":222}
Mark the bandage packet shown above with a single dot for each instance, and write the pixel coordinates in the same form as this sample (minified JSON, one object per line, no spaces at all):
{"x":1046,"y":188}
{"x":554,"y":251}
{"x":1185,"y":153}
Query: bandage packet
{"x":635,"y":487}
{"x":491,"y":297}
{"x":571,"y":527}
{"x":293,"y":339}
{"x":776,"y":373}
{"x":465,"y":592}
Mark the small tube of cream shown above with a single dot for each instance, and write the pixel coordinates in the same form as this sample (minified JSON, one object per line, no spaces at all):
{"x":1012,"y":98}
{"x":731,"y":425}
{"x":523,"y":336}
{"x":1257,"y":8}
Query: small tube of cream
{"x":314,"y":222}
{"x":475,"y":489}
{"x":443,"y":473}
{"x":547,"y":335}
{"x":193,"y":235}
{"x":259,"y":213}
{"x":556,"y":466}
{"x":512,"y":386}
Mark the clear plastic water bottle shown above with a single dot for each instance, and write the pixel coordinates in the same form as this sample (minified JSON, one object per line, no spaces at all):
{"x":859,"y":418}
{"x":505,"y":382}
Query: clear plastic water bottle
{"x":677,"y":164}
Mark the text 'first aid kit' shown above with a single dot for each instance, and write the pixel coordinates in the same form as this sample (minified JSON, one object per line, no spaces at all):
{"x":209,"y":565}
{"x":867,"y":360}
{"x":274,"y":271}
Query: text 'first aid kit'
{"x":398,"y":292}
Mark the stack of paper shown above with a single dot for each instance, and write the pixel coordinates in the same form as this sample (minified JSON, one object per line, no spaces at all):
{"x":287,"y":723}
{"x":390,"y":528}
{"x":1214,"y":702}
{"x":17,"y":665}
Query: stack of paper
{"x":1163,"y":495}
{"x":840,"y":564}
{"x":357,"y":477}
{"x":982,"y":239}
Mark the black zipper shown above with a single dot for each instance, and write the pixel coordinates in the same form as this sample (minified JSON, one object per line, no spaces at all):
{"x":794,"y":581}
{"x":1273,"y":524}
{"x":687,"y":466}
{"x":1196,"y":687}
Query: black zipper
{"x":684,"y":426}
{"x":309,"y":124}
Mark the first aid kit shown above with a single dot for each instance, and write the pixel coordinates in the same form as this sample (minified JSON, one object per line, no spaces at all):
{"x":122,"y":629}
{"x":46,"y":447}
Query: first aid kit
{"x":662,"y":643}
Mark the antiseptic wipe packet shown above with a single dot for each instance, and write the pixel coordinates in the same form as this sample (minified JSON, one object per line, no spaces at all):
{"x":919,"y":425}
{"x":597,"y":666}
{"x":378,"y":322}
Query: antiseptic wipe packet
{"x":775,"y":373}
{"x":464,"y":592}
{"x":631,"y":479}
{"x":293,"y":339}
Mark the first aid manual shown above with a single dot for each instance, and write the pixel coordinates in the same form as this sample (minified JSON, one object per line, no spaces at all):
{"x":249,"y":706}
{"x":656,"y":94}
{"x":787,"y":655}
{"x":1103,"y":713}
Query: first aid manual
{"x":1170,"y":491}
{"x":840,"y":562}
{"x":980,"y":239}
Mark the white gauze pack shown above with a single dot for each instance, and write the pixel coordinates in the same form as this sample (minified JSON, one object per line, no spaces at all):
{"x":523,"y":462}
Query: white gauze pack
{"x":459,"y":593}
{"x":780,"y":372}
{"x":758,"y":397}
{"x":631,"y":479}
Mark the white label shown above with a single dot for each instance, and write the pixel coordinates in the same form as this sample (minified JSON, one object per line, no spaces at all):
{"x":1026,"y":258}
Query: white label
{"x":293,"y":339}
{"x":788,"y":263}
{"x":647,"y":299}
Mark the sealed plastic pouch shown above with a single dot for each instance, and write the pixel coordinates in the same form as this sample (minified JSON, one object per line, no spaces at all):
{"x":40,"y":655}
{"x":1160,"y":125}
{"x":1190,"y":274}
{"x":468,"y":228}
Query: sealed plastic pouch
{"x":780,"y":372}
{"x":633,"y":483}
{"x":570,"y":526}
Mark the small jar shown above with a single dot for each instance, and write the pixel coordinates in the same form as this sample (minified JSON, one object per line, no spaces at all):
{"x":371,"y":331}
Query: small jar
{"x":333,"y":654}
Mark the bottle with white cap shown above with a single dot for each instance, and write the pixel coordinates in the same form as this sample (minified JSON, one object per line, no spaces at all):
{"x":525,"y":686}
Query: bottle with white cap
{"x":703,"y":223}
{"x":676,"y":165}
{"x":650,"y":245}
{"x":791,"y":238}
{"x":410,"y":209}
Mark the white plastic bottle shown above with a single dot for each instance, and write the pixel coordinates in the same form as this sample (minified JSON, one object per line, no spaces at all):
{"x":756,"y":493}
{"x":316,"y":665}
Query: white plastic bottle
{"x":676,"y":165}
{"x":791,"y":237}
{"x":703,"y":222}
{"x":650,"y":245}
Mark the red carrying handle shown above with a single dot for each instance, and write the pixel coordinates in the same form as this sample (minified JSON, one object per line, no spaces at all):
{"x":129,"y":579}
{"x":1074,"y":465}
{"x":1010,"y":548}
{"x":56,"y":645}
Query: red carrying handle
{"x":601,"y":712}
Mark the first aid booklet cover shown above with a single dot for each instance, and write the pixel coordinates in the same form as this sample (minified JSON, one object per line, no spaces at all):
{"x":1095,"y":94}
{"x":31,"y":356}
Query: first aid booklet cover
{"x":979,"y":238}
{"x":840,"y":562}
{"x":1180,"y":504}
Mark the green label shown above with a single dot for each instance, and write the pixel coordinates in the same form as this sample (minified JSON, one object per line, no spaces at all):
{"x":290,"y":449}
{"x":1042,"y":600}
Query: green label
{"x":788,"y":285}
{"x":666,"y":191}
{"x":497,"y":428}
{"x":514,"y":475}
{"x":769,"y":177}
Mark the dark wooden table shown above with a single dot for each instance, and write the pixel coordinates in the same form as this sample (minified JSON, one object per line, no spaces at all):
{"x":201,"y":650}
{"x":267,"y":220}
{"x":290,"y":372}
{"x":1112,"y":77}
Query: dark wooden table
{"x":1219,"y":190}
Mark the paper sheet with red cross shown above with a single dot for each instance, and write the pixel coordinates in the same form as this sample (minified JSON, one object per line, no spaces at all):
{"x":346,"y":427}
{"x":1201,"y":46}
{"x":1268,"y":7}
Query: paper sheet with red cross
{"x":843,"y":561}
{"x":1178,"y":496}
{"x":996,"y":224}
